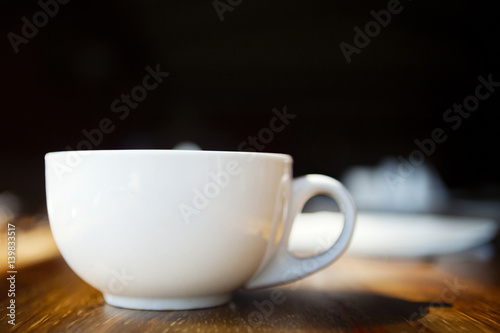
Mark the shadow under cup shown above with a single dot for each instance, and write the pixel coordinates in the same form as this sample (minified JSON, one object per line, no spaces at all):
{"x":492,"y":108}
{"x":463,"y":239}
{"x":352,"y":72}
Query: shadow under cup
{"x":167,"y":229}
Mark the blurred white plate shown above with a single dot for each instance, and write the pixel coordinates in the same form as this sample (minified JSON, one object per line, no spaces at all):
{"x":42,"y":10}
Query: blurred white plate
{"x":392,"y":234}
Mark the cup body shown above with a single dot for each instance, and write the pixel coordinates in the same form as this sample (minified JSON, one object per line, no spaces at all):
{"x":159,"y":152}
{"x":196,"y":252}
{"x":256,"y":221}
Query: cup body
{"x":166,"y":229}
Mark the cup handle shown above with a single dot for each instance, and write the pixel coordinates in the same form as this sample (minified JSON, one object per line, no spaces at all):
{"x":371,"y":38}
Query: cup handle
{"x":284,"y":267}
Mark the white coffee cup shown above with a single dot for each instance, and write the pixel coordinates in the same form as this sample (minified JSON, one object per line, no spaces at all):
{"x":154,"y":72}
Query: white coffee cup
{"x":170,"y":229}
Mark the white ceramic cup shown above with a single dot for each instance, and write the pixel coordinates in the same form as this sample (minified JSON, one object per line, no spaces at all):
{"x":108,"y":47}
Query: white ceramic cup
{"x":170,"y":229}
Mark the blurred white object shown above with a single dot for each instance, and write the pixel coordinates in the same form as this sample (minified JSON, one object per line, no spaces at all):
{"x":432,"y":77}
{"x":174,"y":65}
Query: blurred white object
{"x":186,"y":145}
{"x":9,"y":207}
{"x":393,"y":234}
{"x":385,"y":187}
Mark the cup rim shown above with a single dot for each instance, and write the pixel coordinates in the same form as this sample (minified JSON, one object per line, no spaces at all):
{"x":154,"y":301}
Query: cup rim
{"x":167,"y":151}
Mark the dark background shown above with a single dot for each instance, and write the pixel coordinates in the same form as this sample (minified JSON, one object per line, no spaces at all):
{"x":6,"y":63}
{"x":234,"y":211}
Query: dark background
{"x":226,"y":77}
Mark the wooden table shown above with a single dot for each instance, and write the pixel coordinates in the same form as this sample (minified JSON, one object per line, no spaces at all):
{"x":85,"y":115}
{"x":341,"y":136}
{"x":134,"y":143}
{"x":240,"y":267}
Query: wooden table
{"x":352,"y":295}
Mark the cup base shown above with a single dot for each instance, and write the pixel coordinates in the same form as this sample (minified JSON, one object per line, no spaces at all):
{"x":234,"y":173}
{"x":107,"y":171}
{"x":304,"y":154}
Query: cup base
{"x":167,"y":303}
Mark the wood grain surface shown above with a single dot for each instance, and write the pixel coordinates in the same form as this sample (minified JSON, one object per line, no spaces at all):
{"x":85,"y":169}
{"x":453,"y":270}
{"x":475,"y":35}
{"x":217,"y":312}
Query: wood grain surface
{"x":352,"y":295}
